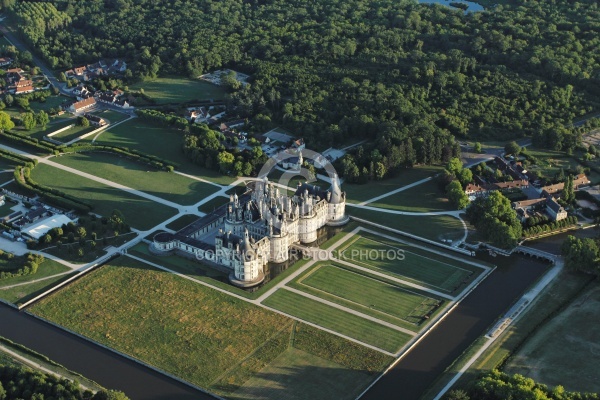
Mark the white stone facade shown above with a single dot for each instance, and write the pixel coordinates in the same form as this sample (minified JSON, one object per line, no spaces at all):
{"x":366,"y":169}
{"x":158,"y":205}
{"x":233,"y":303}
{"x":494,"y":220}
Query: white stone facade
{"x":259,"y":228}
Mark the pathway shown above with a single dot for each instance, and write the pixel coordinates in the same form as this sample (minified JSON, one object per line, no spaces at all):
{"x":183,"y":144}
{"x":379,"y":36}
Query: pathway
{"x":35,"y":280}
{"x":390,"y":193}
{"x":350,"y":311}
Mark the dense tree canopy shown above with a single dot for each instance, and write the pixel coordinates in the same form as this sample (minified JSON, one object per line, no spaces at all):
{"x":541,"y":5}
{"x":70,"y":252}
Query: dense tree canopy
{"x":335,"y":70}
{"x":23,"y":383}
{"x":495,"y":220}
{"x":496,"y":385}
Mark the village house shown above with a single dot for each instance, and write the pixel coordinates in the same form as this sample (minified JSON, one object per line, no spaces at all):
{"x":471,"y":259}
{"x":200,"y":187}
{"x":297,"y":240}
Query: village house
{"x":24,"y":89}
{"x":114,"y":97}
{"x":100,"y":68}
{"x":197,"y":115}
{"x":556,"y":189}
{"x":4,"y":61}
{"x":95,"y":120}
{"x":555,"y":211}
{"x":81,"y":105}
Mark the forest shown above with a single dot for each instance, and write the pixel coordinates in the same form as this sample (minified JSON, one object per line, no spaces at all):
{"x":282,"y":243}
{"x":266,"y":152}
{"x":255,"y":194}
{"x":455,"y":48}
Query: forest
{"x":336,"y":71}
{"x":496,"y":385}
{"x":24,"y":383}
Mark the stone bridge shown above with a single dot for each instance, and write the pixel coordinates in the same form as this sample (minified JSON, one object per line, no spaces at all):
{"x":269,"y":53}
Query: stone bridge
{"x":540,"y":254}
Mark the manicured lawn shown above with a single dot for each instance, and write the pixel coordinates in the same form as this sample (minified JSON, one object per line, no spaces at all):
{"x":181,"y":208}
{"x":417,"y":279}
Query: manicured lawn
{"x":391,"y":302}
{"x":139,"y":212}
{"x":169,"y":186}
{"x":357,"y":193}
{"x":39,"y":131}
{"x":213,"y":204}
{"x":300,"y":368}
{"x":182,"y":221}
{"x":6,"y":208}
{"x":161,"y":142}
{"x":22,"y":293}
{"x":426,"y":197}
{"x":565,"y":350}
{"x":433,"y":227}
{"x":179,"y":89}
{"x":51,"y":102}
{"x":71,"y":133}
{"x":198,"y":334}
{"x":419,"y":268}
{"x":337,"y":320}
{"x":112,"y":116}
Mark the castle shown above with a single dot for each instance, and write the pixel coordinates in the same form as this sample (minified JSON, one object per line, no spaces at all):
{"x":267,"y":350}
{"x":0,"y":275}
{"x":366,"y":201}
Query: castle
{"x":256,"y":228}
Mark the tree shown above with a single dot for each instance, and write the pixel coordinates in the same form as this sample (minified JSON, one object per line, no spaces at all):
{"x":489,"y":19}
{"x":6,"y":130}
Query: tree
{"x":83,"y":121}
{"x":495,"y":220}
{"x":454,"y":166}
{"x":2,"y":392}
{"x":477,"y":147}
{"x":9,"y":100}
{"x":28,"y":121}
{"x":581,"y":254}
{"x":81,"y":232}
{"x":465,"y":176}
{"x":62,"y":77}
{"x":379,"y":171}
{"x":456,"y":195}
{"x":457,"y":395}
{"x":568,"y":194}
{"x":225,"y":160}
{"x":6,"y":123}
{"x":42,"y":118}
{"x":512,"y":148}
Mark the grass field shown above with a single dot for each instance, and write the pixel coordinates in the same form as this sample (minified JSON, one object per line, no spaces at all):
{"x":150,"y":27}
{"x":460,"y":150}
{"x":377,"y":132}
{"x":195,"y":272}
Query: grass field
{"x":358,"y":193}
{"x":213,"y":204}
{"x":71,"y":133}
{"x":300,"y":367}
{"x":433,"y":227}
{"x":420,"y":268}
{"x":426,"y":197}
{"x":39,"y":131}
{"x":21,"y":293}
{"x":337,"y":320}
{"x":139,"y":212}
{"x":161,"y":142}
{"x":112,"y":116}
{"x":179,"y":90}
{"x":566,"y":350}
{"x":6,"y":209}
{"x":205,"y":337}
{"x":169,"y":186}
{"x":393,"y":303}
{"x":182,"y":221}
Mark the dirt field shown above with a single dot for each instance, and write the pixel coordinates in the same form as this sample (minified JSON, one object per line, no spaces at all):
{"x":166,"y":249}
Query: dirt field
{"x":566,"y":351}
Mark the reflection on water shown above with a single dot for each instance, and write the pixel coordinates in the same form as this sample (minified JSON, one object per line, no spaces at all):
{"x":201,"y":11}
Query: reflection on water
{"x":552,"y":244}
{"x":470,"y":6}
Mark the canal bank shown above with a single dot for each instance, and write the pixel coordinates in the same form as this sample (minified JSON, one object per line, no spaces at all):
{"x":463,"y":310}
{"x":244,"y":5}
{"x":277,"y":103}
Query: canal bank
{"x":416,"y":371}
{"x":101,"y":365}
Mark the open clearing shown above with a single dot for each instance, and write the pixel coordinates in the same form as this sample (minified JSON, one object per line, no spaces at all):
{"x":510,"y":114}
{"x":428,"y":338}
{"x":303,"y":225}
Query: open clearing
{"x":399,"y":305}
{"x":19,"y":294}
{"x":566,"y":350}
{"x":161,"y":142}
{"x":139,"y":212}
{"x":179,"y":90}
{"x":169,"y":186}
{"x":298,"y":367}
{"x":205,"y":337}
{"x":356,"y":193}
{"x":417,"y":266}
{"x":432,"y":227}
{"x":425,"y":197}
{"x":337,"y":320}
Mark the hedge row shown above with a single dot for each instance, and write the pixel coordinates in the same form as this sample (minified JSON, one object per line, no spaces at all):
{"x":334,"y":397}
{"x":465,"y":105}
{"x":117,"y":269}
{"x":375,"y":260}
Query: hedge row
{"x":28,"y":141}
{"x":51,"y":195}
{"x":19,"y":159}
{"x":547,"y":228}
